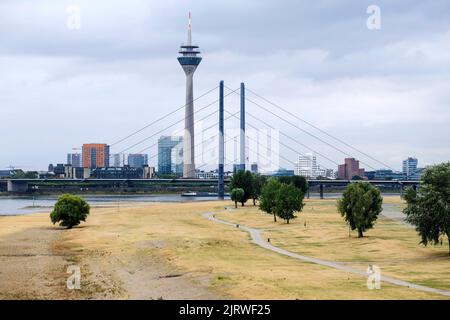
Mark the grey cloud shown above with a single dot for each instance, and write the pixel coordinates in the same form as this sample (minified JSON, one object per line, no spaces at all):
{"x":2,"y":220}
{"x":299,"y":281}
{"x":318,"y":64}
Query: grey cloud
{"x":318,"y":59}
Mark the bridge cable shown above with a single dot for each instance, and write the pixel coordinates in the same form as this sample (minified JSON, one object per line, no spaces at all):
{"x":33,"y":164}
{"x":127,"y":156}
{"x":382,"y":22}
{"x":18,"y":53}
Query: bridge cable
{"x":175,"y":123}
{"x":319,"y":129}
{"x":287,"y":146}
{"x":161,"y":118}
{"x":305,"y":131}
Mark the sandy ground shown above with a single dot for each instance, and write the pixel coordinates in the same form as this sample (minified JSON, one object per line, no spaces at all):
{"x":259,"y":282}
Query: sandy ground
{"x":170,"y":251}
{"x":35,"y":255}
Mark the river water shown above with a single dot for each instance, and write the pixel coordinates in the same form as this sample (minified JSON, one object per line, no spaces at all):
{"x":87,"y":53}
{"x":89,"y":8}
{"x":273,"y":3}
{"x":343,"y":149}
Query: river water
{"x":14,"y":205}
{"x":10,"y":205}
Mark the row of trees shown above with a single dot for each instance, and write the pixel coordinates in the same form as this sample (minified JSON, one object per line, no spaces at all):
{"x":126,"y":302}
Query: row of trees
{"x":428,"y":208}
{"x":281,"y":199}
{"x":281,"y":196}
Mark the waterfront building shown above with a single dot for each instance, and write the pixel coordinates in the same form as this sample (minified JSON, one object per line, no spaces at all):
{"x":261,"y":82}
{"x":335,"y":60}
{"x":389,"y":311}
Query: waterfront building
{"x":95,"y":155}
{"x":409,"y":167}
{"x":148,"y":172}
{"x":59,"y":170}
{"x":306,"y":166}
{"x":74,"y":159}
{"x":125,"y":172}
{"x":165,"y":162}
{"x":281,"y":172}
{"x":350,"y":169}
{"x":417,"y":175}
{"x":137,"y":160}
{"x":118,"y":160}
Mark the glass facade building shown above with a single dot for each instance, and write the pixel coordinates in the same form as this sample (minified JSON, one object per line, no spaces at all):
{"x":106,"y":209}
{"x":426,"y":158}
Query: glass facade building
{"x":170,"y":155}
{"x":137,"y":160}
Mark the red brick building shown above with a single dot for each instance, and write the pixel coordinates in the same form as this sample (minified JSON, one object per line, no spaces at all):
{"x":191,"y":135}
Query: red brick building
{"x":350,"y":169}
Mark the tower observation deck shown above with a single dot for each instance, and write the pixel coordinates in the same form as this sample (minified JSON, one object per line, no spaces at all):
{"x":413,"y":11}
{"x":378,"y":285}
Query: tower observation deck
{"x":189,"y":59}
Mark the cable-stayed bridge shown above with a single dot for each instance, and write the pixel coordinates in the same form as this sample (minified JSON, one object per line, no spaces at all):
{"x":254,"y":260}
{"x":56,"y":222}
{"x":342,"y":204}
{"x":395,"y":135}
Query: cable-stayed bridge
{"x":215,"y":146}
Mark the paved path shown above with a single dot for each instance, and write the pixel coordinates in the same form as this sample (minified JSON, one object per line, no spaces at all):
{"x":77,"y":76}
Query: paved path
{"x":393,"y":212}
{"x":256,"y":238}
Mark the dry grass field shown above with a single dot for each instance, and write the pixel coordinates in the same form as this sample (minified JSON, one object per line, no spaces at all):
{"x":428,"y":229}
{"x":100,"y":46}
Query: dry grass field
{"x":170,"y":251}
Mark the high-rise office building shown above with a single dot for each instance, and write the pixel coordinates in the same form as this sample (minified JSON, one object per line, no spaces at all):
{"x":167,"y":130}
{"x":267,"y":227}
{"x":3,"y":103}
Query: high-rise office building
{"x":350,"y":169}
{"x":117,"y":160}
{"x":74,"y":159}
{"x":137,"y":160}
{"x":165,"y":146}
{"x":95,"y":155}
{"x":177,"y":160}
{"x":307,"y":167}
{"x":189,"y":60}
{"x":409,"y":167}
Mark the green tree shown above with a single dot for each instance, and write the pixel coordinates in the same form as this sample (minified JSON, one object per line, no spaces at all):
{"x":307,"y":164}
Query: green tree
{"x":268,"y":197}
{"x":360,"y":206}
{"x":301,"y":183}
{"x":242,"y":179}
{"x":20,"y":174}
{"x":237,"y":195}
{"x":258,"y":182}
{"x":298,"y":181}
{"x":289,"y":199}
{"x":69,"y":211}
{"x":428,"y":209}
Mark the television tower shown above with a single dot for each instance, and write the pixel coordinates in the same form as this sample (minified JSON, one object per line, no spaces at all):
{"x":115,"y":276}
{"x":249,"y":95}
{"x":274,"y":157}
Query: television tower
{"x":189,"y":60}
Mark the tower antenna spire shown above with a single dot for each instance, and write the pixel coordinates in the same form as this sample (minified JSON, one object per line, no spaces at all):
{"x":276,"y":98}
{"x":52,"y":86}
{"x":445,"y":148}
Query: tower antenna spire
{"x":189,"y":31}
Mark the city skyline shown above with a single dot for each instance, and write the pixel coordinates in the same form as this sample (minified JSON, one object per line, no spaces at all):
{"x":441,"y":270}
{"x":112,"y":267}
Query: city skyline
{"x":341,"y":85}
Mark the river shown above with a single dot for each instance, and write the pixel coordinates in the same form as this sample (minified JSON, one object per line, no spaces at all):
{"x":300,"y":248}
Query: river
{"x":14,"y":205}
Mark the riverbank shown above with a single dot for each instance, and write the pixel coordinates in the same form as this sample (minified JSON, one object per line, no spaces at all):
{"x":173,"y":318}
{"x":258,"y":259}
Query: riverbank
{"x":18,"y":205}
{"x":170,"y":251}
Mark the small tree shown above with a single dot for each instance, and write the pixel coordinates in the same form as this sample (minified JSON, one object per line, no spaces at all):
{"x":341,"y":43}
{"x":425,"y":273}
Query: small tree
{"x":69,"y":211}
{"x":242,"y":179}
{"x":237,"y":195}
{"x":289,"y":200}
{"x":429,"y":208}
{"x":360,"y":206}
{"x":268,"y":197}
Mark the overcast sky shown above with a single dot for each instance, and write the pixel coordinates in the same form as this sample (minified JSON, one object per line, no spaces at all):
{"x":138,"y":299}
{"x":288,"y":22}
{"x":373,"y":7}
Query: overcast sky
{"x":386,"y":92}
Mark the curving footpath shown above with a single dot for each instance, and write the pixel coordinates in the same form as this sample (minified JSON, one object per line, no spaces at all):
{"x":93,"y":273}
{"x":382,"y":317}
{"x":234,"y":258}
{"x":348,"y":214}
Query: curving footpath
{"x":257,"y":239}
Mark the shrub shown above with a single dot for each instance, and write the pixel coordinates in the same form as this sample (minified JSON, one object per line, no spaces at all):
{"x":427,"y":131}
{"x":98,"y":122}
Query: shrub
{"x":69,"y":211}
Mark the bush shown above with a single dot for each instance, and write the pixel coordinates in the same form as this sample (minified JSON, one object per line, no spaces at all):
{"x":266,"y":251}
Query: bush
{"x":69,"y":211}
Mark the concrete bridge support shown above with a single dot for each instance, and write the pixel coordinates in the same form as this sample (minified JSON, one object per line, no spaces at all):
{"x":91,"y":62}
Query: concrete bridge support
{"x":17,"y":186}
{"x":321,"y":191}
